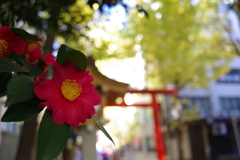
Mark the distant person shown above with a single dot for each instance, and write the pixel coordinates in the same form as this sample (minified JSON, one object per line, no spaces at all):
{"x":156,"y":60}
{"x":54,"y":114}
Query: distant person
{"x":77,"y":153}
{"x":105,"y":156}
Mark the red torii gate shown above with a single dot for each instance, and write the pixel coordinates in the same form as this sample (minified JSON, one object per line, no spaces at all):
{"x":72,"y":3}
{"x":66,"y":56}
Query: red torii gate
{"x":114,"y":89}
{"x":160,"y":149}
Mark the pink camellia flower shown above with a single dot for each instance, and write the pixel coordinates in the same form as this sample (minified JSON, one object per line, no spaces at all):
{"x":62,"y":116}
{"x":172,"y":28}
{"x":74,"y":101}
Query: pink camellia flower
{"x":70,"y":94}
{"x":9,"y":42}
{"x":33,"y":51}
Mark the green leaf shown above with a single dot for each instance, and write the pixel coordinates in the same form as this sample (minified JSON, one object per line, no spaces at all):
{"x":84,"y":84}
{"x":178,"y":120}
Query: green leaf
{"x":51,"y":138}
{"x":19,"y":89}
{"x":102,"y":128}
{"x":77,"y":57}
{"x":34,"y":69}
{"x":22,"y":111}
{"x":15,"y":58}
{"x":4,"y":78}
{"x":25,"y":35}
{"x":7,"y":65}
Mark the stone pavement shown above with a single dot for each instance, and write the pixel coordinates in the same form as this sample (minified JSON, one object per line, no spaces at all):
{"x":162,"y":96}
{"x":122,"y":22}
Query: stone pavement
{"x":139,"y":155}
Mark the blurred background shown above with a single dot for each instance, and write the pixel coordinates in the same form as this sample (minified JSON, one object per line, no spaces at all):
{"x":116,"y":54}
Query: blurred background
{"x":168,"y":73}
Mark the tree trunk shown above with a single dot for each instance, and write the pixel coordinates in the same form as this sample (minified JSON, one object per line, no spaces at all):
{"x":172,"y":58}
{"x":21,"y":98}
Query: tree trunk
{"x":27,"y":140}
{"x":179,"y":139}
{"x":26,"y":147}
{"x":178,"y":129}
{"x":48,"y":47}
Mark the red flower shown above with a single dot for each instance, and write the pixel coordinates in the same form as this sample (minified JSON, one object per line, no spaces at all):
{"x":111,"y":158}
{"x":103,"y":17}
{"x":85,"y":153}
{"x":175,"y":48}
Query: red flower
{"x":33,"y":51}
{"x":49,"y":59}
{"x":70,"y":94}
{"x":9,"y":42}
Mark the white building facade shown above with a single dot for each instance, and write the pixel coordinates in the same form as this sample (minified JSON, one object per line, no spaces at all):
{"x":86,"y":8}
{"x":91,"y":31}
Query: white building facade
{"x":221,"y":98}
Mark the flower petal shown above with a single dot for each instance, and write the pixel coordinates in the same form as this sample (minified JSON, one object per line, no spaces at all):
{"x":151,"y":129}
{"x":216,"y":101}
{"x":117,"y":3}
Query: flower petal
{"x":49,"y":58}
{"x":90,"y":98}
{"x":83,"y":77}
{"x":46,"y":90}
{"x":43,"y":104}
{"x":90,"y":111}
{"x":88,"y":88}
{"x":14,"y":42}
{"x":73,"y":111}
{"x":62,"y":72}
{"x":33,"y":51}
{"x":82,"y":114}
{"x":58,"y":117}
{"x":75,"y":116}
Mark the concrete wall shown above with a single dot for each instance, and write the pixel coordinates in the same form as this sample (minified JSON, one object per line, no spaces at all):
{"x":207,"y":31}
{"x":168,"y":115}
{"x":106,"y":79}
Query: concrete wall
{"x":8,"y":146}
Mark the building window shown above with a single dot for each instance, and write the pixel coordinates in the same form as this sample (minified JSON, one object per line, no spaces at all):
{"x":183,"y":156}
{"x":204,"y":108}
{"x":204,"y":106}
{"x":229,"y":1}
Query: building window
{"x":232,"y":77}
{"x":202,"y":103}
{"x":229,"y":104}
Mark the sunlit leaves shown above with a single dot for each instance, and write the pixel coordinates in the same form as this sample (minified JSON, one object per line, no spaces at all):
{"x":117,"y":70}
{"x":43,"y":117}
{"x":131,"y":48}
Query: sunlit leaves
{"x":180,"y":45}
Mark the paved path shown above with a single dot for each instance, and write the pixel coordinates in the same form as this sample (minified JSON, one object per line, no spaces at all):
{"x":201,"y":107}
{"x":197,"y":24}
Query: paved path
{"x":137,"y":155}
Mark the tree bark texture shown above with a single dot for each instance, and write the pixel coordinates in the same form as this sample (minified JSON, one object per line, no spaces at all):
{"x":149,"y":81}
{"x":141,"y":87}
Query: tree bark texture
{"x":48,"y":47}
{"x":27,"y":140}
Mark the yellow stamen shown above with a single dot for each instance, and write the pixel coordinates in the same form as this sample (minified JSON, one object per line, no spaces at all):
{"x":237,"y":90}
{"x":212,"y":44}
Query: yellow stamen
{"x":70,"y":89}
{"x":32,"y":46}
{"x":3,"y":46}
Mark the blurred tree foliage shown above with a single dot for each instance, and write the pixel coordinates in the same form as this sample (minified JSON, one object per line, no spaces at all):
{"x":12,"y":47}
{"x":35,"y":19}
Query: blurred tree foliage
{"x":65,"y":18}
{"x":68,"y":20}
{"x":180,"y":41}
